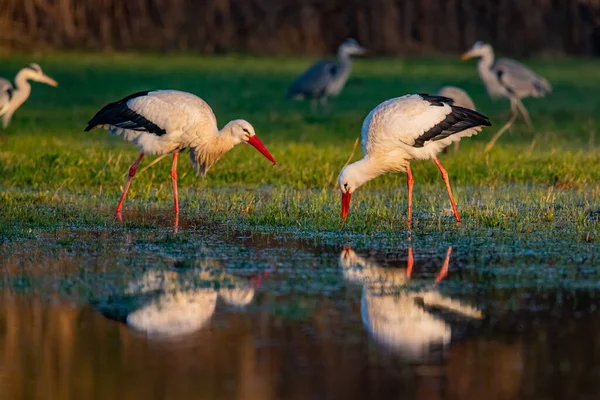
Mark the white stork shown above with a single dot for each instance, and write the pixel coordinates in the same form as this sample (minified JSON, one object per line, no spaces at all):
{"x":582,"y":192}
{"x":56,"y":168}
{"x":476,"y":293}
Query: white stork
{"x":168,"y":121}
{"x":509,"y":79}
{"x":399,"y":130}
{"x":13,"y":96}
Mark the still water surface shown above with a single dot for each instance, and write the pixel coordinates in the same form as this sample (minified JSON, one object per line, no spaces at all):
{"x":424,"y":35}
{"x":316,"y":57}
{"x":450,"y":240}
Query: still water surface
{"x":113,"y":315}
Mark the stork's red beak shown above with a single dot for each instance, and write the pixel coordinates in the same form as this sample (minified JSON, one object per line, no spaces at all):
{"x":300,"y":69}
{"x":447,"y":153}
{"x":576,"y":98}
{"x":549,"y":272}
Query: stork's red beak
{"x":261,"y":147}
{"x":345,"y":204}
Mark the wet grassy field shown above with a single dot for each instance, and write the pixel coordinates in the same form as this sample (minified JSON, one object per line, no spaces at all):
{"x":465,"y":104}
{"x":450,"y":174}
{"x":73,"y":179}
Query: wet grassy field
{"x":53,"y":174}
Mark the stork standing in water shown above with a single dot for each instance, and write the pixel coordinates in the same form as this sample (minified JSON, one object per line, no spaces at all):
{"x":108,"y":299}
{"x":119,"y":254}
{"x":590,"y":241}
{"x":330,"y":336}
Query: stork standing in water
{"x":326,"y":77}
{"x":13,"y":96}
{"x":169,"y":121}
{"x":399,"y":130}
{"x":510,"y":79}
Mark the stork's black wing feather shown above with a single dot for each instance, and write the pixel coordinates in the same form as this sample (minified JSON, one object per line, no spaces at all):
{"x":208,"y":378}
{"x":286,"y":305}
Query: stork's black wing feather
{"x":459,"y":119}
{"x":120,"y":115}
{"x":437,"y":101}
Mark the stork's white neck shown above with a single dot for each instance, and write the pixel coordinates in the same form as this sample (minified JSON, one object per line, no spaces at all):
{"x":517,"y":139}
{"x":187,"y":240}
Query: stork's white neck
{"x":361,"y":171}
{"x":210,"y":148}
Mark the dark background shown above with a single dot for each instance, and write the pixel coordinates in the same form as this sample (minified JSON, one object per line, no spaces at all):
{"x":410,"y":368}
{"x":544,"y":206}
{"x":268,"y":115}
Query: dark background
{"x":518,"y":27}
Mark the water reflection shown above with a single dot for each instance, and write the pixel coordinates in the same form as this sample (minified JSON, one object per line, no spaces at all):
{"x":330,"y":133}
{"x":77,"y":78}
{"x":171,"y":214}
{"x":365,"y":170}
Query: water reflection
{"x":177,"y":301}
{"x":409,"y":320}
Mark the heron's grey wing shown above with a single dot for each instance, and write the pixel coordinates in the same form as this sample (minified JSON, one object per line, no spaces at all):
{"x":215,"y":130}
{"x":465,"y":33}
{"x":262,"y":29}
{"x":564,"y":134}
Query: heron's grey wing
{"x":6,"y":90}
{"x":313,"y":82}
{"x":520,"y":80}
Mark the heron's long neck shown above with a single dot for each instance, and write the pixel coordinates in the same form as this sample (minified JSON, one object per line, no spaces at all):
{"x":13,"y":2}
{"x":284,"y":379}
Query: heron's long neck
{"x":345,"y":60}
{"x":22,"y":88}
{"x":486,"y":62}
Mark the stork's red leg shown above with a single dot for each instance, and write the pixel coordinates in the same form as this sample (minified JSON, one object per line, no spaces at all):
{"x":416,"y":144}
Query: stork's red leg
{"x":132,"y":170}
{"x":174,"y":181}
{"x":444,"y":271}
{"x":447,"y":181}
{"x":410,"y":181}
{"x":410,"y":262}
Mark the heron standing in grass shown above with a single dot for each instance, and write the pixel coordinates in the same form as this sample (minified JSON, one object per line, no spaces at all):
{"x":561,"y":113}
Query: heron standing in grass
{"x":461,"y":99}
{"x":510,"y":79}
{"x":169,"y":121}
{"x":326,"y":78}
{"x":13,"y":96}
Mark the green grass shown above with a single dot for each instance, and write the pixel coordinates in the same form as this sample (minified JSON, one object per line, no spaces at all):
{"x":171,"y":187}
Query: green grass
{"x":53,"y":175}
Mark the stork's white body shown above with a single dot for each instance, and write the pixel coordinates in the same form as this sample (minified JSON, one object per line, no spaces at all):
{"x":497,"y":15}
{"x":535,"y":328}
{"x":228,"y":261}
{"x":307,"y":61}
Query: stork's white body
{"x":390,"y":130}
{"x":187,"y":119}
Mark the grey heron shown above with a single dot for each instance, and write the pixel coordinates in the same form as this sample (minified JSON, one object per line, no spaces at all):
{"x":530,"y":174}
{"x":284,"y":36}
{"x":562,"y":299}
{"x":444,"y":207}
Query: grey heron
{"x":168,"y":121}
{"x":461,"y":99}
{"x":326,"y":78}
{"x":510,"y":79}
{"x":403,"y":129}
{"x":13,"y":96}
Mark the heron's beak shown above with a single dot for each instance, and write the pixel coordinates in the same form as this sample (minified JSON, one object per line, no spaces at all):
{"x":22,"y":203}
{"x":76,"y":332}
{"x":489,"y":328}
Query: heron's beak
{"x":345,"y":204}
{"x":47,"y":80}
{"x":261,"y":147}
{"x":360,"y":50}
{"x":466,"y":56}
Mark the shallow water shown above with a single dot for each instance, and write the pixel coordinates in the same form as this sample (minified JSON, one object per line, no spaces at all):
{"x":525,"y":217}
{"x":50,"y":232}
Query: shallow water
{"x":204,"y":315}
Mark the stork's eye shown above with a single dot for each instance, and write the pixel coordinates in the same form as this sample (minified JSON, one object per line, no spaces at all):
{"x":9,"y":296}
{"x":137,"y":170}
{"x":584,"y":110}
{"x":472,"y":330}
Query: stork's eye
{"x":345,"y":186}
{"x":246,"y":130}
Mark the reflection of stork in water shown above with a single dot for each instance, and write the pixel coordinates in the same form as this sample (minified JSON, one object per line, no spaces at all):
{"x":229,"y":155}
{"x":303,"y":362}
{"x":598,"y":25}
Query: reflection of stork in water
{"x":397,"y":317}
{"x":169,"y":303}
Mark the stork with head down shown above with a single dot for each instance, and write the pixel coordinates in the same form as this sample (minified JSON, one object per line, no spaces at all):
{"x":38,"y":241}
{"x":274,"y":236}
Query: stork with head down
{"x":509,"y":79}
{"x":326,"y":78}
{"x":415,"y":126}
{"x":169,"y":121}
{"x":12,"y":96}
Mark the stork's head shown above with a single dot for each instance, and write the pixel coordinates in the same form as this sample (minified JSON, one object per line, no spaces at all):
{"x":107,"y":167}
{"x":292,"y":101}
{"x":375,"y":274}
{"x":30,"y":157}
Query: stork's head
{"x":352,"y":48}
{"x":348,"y":257}
{"x":243,"y":132}
{"x":479,"y":49}
{"x":351,"y":178}
{"x":34,"y":72}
